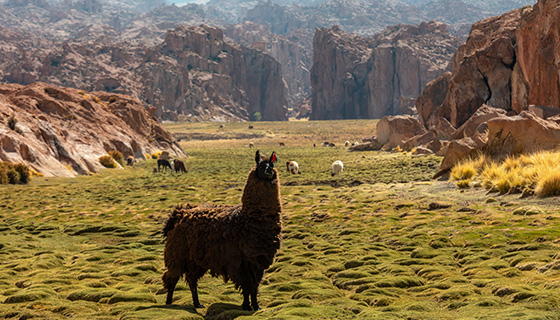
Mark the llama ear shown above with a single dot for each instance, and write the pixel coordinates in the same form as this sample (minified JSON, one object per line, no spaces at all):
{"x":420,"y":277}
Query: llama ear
{"x":273,"y":157}
{"x":258,"y":157}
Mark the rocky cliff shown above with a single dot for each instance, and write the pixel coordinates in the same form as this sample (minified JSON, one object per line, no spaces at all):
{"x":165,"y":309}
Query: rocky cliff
{"x":536,"y":78}
{"x":293,"y":52}
{"x":369,"y":77}
{"x":508,"y":62}
{"x":482,"y":70}
{"x":63,"y":132}
{"x":192,"y":74}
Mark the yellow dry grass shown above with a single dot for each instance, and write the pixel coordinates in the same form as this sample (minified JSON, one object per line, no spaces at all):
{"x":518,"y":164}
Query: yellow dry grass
{"x":539,"y":173}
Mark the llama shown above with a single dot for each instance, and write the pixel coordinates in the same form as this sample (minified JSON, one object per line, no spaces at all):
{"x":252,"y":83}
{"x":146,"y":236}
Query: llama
{"x":179,"y":166}
{"x":347,"y":143}
{"x":281,"y":144}
{"x":163,"y":163}
{"x":292,"y":167}
{"x":237,"y":243}
{"x":130,"y":161}
{"x":336,"y":167}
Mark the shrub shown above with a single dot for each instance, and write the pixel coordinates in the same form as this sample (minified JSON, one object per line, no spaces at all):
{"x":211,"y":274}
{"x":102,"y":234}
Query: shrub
{"x":24,"y":172}
{"x":464,"y":171}
{"x":13,"y":176}
{"x":156,"y":155}
{"x":256,"y":116}
{"x":463,"y":184}
{"x":12,"y":122}
{"x":14,"y":173}
{"x":107,"y":161}
{"x":117,"y":156}
{"x":548,"y":184}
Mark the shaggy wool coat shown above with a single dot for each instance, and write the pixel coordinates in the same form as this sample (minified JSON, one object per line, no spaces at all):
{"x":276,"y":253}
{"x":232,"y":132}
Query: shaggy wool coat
{"x":235,"y":242}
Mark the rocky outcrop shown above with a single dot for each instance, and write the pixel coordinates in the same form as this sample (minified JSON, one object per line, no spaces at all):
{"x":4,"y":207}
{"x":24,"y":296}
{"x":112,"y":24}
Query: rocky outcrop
{"x":368,"y":77}
{"x":240,"y":80}
{"x":393,"y":131}
{"x":521,"y":134}
{"x":63,"y":131}
{"x":194,"y":74}
{"x":293,"y":52}
{"x":482,"y":73}
{"x":507,"y":66}
{"x":477,"y":123}
{"x":536,"y":77}
{"x":461,"y":149}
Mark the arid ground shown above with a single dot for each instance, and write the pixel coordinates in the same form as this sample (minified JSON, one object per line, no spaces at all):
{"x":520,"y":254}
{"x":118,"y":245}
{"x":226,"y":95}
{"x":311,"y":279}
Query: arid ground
{"x":380,"y":241}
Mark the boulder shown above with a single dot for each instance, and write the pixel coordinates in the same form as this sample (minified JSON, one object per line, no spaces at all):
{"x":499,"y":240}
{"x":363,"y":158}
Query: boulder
{"x":392,"y":131}
{"x":444,"y":129}
{"x":544,"y":112}
{"x":476,"y":123}
{"x":435,"y":145}
{"x":524,"y":133}
{"x":371,"y":145}
{"x":422,"y":151}
{"x":461,"y":149}
{"x":419,"y":140}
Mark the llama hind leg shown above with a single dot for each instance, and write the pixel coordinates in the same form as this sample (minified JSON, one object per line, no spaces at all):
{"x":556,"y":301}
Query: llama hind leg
{"x":169,"y":283}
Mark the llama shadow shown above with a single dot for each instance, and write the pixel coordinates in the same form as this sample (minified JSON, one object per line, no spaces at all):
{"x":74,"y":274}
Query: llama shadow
{"x":225,"y":311}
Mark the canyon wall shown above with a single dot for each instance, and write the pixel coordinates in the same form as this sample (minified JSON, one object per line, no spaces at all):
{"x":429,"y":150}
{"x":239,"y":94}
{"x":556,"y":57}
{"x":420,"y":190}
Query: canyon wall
{"x":369,"y":77}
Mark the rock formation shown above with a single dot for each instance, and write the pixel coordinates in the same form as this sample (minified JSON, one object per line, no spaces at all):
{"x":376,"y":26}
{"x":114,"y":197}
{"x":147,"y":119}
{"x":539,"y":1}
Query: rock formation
{"x":482,"y":68}
{"x":194,"y":74}
{"x":63,"y":131}
{"x":392,"y":131}
{"x":508,"y":64}
{"x":536,"y":79}
{"x":293,"y":52}
{"x":368,"y":77}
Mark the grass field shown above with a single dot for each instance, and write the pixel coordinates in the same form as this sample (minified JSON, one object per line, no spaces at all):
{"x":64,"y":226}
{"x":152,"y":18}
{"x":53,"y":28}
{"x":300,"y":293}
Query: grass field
{"x":380,"y":241}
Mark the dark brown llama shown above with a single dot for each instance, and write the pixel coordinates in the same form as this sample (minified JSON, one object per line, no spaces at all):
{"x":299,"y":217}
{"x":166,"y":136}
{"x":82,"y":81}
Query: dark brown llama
{"x":163,"y":163}
{"x":237,"y":243}
{"x":179,"y":166}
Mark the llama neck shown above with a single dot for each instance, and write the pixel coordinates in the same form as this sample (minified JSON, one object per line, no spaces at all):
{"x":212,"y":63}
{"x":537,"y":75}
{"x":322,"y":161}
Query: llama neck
{"x":261,"y":196}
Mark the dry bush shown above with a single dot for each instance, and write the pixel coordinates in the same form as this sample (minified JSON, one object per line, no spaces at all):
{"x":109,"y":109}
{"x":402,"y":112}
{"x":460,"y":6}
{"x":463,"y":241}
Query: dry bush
{"x":463,"y":184}
{"x":12,"y":122}
{"x":117,"y":156}
{"x":535,"y":173}
{"x":107,"y":161}
{"x":548,"y":184}
{"x":156,"y":155}
{"x":14,"y":173}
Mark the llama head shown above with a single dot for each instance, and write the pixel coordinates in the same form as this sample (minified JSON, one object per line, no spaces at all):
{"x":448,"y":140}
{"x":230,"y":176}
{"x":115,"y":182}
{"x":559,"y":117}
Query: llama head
{"x":265,"y":167}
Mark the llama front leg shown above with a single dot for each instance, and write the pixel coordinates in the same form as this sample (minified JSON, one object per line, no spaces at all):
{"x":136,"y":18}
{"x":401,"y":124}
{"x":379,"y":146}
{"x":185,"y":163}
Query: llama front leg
{"x":169,"y":283}
{"x":194,"y":292}
{"x":254,"y":302}
{"x":246,"y":305}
